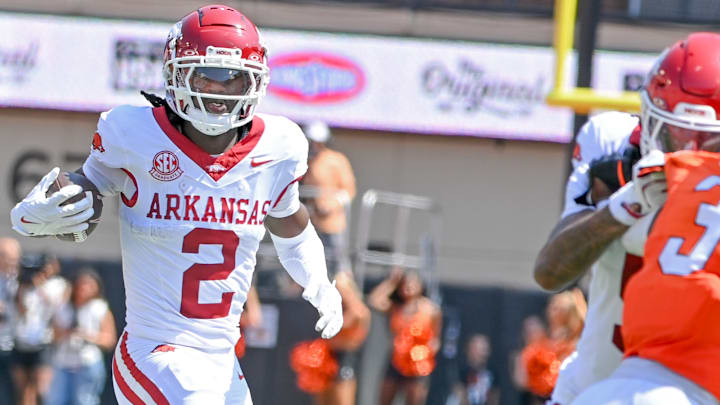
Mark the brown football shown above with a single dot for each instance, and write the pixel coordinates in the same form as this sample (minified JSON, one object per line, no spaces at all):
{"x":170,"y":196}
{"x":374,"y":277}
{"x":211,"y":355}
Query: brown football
{"x":66,"y":179}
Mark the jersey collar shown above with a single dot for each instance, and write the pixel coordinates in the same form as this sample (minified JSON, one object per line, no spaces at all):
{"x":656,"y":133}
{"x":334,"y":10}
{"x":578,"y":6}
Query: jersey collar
{"x":215,"y":167}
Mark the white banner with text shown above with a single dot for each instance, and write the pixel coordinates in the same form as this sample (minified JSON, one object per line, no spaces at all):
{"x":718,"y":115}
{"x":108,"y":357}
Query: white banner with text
{"x":355,"y":81}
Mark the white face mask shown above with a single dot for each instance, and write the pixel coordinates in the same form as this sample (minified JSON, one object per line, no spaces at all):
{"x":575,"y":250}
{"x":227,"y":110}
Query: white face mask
{"x":688,"y":127}
{"x":216,"y":93}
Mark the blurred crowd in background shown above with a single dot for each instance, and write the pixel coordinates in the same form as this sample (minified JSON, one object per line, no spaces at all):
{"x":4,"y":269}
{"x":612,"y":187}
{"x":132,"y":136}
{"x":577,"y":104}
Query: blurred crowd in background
{"x":53,"y":330}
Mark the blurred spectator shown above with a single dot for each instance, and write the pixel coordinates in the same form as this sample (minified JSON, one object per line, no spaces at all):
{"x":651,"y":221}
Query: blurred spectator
{"x":252,"y":311}
{"x":330,"y":184}
{"x":566,"y":315}
{"x":84,"y":328}
{"x":326,"y":369}
{"x":415,"y":323}
{"x":477,"y":383}
{"x":344,"y":345}
{"x":537,"y":366}
{"x":55,"y":288}
{"x":36,"y":302}
{"x":533,"y":331}
{"x":9,"y":264}
{"x":286,"y":286}
{"x":251,"y":318}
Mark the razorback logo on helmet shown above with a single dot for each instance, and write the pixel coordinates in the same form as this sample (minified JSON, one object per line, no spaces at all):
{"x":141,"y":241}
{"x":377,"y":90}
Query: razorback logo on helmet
{"x":577,"y":155}
{"x":166,"y":166}
{"x":97,"y":143}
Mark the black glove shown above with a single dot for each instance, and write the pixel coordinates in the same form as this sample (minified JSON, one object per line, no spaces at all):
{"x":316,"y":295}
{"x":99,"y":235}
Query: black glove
{"x":615,"y":170}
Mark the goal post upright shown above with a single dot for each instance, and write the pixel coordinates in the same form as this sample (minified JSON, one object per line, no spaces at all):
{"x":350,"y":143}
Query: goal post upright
{"x":581,"y":99}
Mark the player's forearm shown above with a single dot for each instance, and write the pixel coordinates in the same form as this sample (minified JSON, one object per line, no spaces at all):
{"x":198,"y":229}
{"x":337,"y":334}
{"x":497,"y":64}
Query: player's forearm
{"x":574,"y":245}
{"x":302,"y":256}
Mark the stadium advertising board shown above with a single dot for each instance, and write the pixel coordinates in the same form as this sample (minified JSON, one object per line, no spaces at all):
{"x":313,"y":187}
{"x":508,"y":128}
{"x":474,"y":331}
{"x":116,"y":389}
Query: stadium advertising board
{"x":355,"y":81}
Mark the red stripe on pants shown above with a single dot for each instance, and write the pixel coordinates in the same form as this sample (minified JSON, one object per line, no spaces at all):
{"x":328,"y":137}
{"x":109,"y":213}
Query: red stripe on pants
{"x":124,"y":387}
{"x":138,"y":375}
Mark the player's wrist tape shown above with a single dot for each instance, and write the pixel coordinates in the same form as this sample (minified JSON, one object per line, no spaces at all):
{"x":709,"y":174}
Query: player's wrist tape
{"x":303,"y":256}
{"x":621,"y":205}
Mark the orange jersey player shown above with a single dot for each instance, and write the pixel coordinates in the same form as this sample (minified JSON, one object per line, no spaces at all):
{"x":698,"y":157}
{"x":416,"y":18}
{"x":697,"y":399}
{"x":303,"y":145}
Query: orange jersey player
{"x":672,"y":306}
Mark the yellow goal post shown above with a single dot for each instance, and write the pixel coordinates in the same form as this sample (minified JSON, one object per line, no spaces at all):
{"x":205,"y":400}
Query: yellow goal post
{"x":580,"y":99}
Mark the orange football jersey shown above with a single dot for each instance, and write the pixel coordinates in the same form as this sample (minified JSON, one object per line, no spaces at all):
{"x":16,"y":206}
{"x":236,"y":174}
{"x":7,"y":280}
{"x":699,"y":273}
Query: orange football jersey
{"x":672,"y":306}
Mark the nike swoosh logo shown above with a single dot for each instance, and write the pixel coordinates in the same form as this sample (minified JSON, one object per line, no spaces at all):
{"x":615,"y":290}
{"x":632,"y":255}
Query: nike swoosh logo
{"x":253,"y":163}
{"x":25,"y":221}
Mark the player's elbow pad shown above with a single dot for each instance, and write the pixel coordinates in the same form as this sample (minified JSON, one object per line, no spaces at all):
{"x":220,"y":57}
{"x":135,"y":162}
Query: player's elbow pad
{"x":303,"y":256}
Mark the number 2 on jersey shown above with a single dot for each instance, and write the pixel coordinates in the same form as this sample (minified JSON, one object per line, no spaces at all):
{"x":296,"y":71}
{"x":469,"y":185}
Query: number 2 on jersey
{"x":190,"y":306}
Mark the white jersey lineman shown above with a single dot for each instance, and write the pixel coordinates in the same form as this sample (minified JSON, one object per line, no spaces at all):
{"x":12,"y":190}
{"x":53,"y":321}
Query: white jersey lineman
{"x":190,"y":226}
{"x":599,"y":350}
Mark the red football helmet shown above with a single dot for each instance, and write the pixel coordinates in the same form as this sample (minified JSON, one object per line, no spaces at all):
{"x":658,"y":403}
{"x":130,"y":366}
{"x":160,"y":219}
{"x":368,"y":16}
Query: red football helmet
{"x":215,"y":69}
{"x":681,"y":97}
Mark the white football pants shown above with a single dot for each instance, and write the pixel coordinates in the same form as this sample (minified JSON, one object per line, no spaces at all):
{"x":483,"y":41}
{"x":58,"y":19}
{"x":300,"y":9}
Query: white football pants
{"x":644,"y":382}
{"x":151,"y":372}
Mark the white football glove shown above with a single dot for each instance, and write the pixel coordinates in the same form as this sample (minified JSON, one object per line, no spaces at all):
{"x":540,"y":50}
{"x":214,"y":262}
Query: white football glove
{"x":649,"y":179}
{"x":326,"y":299}
{"x":646,"y":193}
{"x":625,"y":206}
{"x":39,"y":215}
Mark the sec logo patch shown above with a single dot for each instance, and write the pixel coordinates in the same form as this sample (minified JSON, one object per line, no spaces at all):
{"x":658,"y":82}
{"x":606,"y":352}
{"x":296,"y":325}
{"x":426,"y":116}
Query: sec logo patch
{"x":166,"y":166}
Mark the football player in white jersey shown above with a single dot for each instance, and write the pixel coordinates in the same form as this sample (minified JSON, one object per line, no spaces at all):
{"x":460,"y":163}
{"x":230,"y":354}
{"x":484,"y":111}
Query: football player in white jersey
{"x":601,"y":203}
{"x":587,"y":235}
{"x":200,"y":177}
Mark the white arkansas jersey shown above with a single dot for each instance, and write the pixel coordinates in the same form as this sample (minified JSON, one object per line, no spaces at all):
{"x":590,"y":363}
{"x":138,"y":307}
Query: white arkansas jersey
{"x":599,"y":350}
{"x":191,"y":223}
